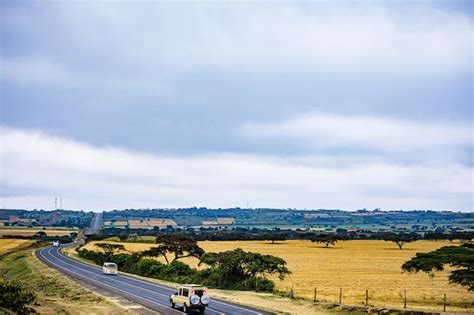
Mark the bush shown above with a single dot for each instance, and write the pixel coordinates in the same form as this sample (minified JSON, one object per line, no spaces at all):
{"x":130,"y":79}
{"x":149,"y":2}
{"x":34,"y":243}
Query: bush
{"x":15,"y":298}
{"x":232,"y":270}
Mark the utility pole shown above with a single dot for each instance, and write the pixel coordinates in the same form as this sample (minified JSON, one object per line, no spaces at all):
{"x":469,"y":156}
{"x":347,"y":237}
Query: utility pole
{"x":55,"y":203}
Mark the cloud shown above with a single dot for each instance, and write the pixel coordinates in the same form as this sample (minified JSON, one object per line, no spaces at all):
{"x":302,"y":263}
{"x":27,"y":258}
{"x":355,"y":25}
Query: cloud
{"x":171,"y":40}
{"x":409,"y":139}
{"x":38,"y":167}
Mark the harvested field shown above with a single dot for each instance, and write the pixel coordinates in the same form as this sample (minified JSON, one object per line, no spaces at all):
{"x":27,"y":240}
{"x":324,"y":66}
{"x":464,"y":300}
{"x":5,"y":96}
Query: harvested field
{"x":354,"y":266}
{"x":7,"y":245}
{"x":29,"y":232}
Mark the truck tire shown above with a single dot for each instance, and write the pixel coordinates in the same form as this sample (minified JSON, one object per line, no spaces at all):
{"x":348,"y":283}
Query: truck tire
{"x":202,"y":310}
{"x":172,"y":304}
{"x":185,"y":308}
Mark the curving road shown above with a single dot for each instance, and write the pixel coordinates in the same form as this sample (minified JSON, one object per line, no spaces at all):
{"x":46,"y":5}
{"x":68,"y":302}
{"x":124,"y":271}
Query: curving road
{"x":149,"y":294}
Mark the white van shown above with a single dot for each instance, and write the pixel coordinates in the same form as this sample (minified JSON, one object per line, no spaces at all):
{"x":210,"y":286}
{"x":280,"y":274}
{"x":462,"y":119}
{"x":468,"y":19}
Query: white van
{"x":110,"y":268}
{"x":56,"y":243}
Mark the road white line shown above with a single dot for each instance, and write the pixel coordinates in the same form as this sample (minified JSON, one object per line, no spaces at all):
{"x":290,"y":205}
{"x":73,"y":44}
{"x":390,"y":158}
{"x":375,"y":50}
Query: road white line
{"x":102,"y":284}
{"x":160,"y":286}
{"x":121,"y":282}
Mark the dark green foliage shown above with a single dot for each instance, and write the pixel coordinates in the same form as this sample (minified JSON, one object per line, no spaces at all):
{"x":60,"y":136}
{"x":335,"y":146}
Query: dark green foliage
{"x":110,"y":249}
{"x":462,"y":236}
{"x":96,"y":257}
{"x":326,"y":239}
{"x":401,"y":238}
{"x":459,"y":257}
{"x":273,"y":237}
{"x":15,"y":297}
{"x":237,"y":269}
{"x":155,"y":252}
{"x":179,"y":245}
{"x":41,"y":234}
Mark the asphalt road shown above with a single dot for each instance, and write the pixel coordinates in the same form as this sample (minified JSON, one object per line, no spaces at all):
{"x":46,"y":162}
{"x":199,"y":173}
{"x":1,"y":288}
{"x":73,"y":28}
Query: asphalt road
{"x":95,"y":224}
{"x":149,"y":294}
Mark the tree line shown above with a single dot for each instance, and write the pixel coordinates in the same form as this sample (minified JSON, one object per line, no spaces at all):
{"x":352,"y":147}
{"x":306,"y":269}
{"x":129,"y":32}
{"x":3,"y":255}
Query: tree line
{"x":276,"y":234}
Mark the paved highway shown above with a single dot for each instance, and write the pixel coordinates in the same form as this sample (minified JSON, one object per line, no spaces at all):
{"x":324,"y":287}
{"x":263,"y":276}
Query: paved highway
{"x":95,"y":224}
{"x":149,"y":294}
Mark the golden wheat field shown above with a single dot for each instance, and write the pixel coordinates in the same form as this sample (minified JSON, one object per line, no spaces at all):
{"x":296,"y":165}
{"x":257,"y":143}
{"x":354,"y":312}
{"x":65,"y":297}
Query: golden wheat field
{"x":29,"y":232}
{"x":353,"y":266}
{"x":8,"y":244}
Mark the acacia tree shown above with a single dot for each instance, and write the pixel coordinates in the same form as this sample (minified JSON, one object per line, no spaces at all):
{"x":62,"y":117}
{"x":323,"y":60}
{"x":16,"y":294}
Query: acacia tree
{"x":461,"y":258}
{"x":325,"y":239}
{"x":155,"y":252}
{"x":274,"y":237}
{"x":110,"y":249}
{"x":178,"y":245}
{"x":400,"y":238}
{"x":463,"y":237}
{"x":236,"y":267}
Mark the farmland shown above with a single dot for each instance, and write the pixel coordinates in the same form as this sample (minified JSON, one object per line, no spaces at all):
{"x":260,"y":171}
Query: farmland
{"x":353,"y":266}
{"x":55,"y":293}
{"x":33,"y":231}
{"x":8,"y":244}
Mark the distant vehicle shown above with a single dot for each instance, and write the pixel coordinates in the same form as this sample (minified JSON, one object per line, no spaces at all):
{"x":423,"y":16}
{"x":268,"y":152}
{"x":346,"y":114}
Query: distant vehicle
{"x":56,"y":243}
{"x":110,"y":268}
{"x":191,"y":297}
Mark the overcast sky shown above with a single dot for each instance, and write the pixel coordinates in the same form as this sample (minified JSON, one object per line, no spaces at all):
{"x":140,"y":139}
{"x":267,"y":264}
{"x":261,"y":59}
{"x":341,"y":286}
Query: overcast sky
{"x":310,"y":105}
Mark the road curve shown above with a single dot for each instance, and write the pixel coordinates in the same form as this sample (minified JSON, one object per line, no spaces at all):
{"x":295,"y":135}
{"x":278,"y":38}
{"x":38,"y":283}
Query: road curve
{"x":149,"y":294}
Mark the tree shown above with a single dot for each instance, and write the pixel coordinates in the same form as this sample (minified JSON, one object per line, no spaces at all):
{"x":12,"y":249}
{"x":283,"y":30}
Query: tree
{"x":400,"y":238}
{"x":274,"y":237}
{"x":15,"y":298}
{"x":110,"y":249}
{"x":461,"y":258}
{"x":237,"y":266}
{"x":41,"y":234}
{"x":155,"y":252}
{"x":179,"y":245}
{"x":325,"y":239}
{"x":461,"y":236}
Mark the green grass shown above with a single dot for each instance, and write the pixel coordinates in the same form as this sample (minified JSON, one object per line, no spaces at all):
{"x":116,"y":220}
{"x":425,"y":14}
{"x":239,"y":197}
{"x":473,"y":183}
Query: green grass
{"x":56,"y":294}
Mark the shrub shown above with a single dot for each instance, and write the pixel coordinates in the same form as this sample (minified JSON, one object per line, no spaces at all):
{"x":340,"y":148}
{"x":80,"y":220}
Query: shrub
{"x":15,"y":298}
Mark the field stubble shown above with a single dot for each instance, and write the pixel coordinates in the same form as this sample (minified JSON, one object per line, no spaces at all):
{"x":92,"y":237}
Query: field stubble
{"x":33,"y":231}
{"x":353,"y":266}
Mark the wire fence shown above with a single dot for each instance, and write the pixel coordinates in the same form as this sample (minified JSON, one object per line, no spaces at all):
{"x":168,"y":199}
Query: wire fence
{"x":372,"y":298}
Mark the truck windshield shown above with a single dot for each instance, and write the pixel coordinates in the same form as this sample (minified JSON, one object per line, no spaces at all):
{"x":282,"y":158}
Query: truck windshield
{"x":111,"y":265}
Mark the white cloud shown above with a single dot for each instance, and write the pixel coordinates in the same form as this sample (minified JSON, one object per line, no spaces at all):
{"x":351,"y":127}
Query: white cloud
{"x":38,"y":167}
{"x":320,"y":131}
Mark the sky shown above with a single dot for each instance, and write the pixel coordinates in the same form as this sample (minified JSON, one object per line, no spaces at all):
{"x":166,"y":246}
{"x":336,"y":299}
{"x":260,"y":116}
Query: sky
{"x":308,"y":105}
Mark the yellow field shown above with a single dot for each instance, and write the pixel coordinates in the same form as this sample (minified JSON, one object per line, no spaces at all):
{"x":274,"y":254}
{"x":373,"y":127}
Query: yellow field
{"x":29,"y":232}
{"x":354,"y":266}
{"x":7,"y":244}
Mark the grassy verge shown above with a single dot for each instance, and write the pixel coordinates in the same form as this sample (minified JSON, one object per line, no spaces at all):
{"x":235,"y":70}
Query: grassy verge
{"x":56,"y":294}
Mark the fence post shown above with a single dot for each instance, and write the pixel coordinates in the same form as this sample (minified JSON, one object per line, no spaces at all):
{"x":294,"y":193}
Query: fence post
{"x":366,"y":297}
{"x":444,"y":303}
{"x":405,"y":299}
{"x":315,"y":292}
{"x":340,"y":295}
{"x":292,"y":292}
